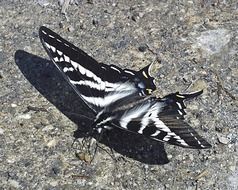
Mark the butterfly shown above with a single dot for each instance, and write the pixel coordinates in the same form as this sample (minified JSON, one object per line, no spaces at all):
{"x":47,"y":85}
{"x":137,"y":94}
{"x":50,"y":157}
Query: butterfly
{"x":122,"y":98}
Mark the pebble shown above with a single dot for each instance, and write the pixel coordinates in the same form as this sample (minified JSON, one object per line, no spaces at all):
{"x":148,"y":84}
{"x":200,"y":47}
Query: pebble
{"x":14,"y":183}
{"x":232,"y":168}
{"x":95,"y":22}
{"x":146,"y":167}
{"x":24,"y":116}
{"x":134,"y":17}
{"x":43,"y":3}
{"x":141,"y":14}
{"x":71,"y":29}
{"x":84,"y":157}
{"x":52,"y":143}
{"x":61,"y":2}
{"x":90,"y":1}
{"x":1,"y":131}
{"x":190,"y":157}
{"x":142,"y":48}
{"x":48,"y":128}
{"x":87,"y":158}
{"x":13,"y":105}
{"x":234,"y":72}
{"x":170,"y":156}
{"x":223,"y":140}
{"x":54,"y":183}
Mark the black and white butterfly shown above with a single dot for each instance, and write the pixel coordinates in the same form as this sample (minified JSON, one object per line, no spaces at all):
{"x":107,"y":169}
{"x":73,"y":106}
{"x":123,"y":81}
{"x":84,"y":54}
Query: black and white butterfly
{"x":122,"y":97}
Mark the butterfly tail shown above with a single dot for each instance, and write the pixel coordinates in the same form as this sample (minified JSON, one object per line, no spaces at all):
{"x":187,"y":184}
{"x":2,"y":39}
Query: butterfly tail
{"x":174,"y":103}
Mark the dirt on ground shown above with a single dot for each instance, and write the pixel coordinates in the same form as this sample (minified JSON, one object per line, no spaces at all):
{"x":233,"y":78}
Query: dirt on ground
{"x":194,"y":45}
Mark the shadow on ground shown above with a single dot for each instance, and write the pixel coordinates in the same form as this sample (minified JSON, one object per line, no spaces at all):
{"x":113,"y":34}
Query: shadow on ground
{"x":46,"y":78}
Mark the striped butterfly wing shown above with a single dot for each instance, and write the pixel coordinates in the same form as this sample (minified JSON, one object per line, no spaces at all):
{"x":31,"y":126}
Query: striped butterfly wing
{"x":97,"y":84}
{"x":160,"y":119}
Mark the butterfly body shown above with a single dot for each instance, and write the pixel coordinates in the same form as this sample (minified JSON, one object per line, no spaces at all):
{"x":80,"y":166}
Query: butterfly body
{"x":122,"y":97}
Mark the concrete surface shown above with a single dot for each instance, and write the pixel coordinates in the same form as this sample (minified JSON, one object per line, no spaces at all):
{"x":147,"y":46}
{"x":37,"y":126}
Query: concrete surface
{"x":197,"y":43}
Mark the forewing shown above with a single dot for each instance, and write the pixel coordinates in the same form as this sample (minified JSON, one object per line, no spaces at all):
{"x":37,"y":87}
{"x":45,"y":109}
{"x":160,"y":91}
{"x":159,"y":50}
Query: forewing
{"x":96,"y":83}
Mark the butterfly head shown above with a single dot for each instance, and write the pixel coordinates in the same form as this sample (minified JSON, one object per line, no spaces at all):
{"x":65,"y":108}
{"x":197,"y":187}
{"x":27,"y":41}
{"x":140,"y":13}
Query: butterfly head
{"x":147,"y":82}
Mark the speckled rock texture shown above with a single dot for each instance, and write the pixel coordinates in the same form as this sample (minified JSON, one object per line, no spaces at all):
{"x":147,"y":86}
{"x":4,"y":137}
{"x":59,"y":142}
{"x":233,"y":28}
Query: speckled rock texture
{"x":194,"y":45}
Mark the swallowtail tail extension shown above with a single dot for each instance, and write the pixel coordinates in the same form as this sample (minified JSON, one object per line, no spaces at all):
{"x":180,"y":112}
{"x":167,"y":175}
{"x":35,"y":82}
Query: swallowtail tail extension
{"x":122,"y":97}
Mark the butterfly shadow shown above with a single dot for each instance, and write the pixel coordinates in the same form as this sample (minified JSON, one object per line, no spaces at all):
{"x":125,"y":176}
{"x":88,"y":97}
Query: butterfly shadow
{"x":46,"y":78}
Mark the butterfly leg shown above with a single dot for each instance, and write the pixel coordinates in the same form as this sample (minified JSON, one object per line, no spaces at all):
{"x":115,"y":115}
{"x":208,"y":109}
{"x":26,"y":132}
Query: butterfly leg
{"x":109,"y":152}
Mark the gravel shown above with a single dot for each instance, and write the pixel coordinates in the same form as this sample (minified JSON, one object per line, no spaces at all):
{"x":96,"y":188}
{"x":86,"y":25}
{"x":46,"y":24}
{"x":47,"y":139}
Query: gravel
{"x":197,"y":45}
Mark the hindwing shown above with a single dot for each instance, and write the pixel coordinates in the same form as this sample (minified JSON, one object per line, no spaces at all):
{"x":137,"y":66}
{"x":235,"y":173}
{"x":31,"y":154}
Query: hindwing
{"x":158,"y":118}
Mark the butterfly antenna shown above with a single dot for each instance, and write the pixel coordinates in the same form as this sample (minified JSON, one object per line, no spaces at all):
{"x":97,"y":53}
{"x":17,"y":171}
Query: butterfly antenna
{"x":111,"y":153}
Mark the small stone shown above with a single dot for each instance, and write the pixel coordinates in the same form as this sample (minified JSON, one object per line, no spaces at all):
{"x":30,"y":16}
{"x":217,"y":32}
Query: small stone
{"x":234,"y":72}
{"x":43,"y":3}
{"x":13,"y":105}
{"x":190,"y":157}
{"x":61,"y":2}
{"x":232,"y":168}
{"x":90,"y":183}
{"x":167,"y":186}
{"x":218,"y":129}
{"x":84,"y":157}
{"x":146,"y":167}
{"x":54,"y":183}
{"x":90,"y":1}
{"x":38,"y":126}
{"x":48,"y":128}
{"x":142,"y":48}
{"x":133,"y":18}
{"x":24,"y":116}
{"x":193,"y":107}
{"x":82,"y":26}
{"x":196,"y":122}
{"x":11,"y":160}
{"x":87,"y":158}
{"x":55,"y":171}
{"x":80,"y":156}
{"x":61,"y":25}
{"x":141,"y":14}
{"x":223,"y":140}
{"x":71,"y":29}
{"x":95,"y":22}
{"x":1,"y":131}
{"x":170,"y":156}
{"x":14,"y":183}
{"x":52,"y":143}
